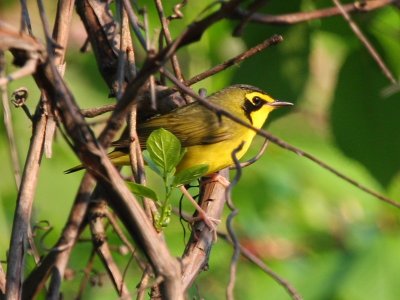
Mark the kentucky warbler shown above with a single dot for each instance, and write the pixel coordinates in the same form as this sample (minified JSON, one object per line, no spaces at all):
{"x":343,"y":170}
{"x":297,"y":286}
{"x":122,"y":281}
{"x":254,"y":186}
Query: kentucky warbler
{"x":208,"y":139}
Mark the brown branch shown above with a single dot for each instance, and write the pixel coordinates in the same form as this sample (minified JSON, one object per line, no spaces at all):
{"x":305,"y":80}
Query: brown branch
{"x":102,"y":33}
{"x":143,"y":285}
{"x":125,"y":240}
{"x":2,"y":282}
{"x":294,"y":18}
{"x":28,"y":53}
{"x":16,"y":165}
{"x":359,"y":34}
{"x":103,"y":250}
{"x":168,"y":38}
{"x":59,"y":256}
{"x":26,"y":50}
{"x":133,"y":20}
{"x":275,"y":39}
{"x":220,"y":111}
{"x":25,"y":20}
{"x":56,"y":260}
{"x":195,"y":256}
{"x":95,"y":159}
{"x":87,"y":271}
{"x":126,"y":48}
{"x":96,"y":111}
{"x":22,"y":216}
{"x":252,"y":8}
{"x":253,"y":259}
{"x":194,"y":32}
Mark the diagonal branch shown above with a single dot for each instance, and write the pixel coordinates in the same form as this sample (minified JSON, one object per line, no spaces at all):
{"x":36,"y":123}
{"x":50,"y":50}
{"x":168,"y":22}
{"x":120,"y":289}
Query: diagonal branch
{"x":103,"y":251}
{"x":294,"y":18}
{"x":258,"y":262}
{"x":360,"y":35}
{"x":121,"y":200}
{"x":22,"y":216}
{"x":220,"y":111}
{"x":275,"y":39}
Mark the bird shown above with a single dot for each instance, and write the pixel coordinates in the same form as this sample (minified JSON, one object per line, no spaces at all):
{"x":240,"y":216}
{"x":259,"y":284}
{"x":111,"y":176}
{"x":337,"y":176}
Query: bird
{"x":209,"y":138}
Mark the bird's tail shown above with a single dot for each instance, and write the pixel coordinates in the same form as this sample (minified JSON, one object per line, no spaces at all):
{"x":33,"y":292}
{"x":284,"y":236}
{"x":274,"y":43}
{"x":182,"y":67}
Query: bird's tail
{"x":74,"y":169}
{"x":117,"y":157}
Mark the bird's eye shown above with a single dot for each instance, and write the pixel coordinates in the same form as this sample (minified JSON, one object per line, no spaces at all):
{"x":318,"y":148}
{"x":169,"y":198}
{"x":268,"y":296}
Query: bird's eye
{"x":257,"y":101}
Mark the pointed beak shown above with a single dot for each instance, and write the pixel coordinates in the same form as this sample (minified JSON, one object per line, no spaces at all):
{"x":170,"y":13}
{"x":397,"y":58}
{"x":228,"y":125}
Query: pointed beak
{"x":280,"y":103}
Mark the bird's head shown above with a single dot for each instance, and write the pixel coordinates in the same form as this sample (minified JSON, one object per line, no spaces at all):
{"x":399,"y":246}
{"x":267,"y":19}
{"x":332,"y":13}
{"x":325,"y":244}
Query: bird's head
{"x":249,"y":103}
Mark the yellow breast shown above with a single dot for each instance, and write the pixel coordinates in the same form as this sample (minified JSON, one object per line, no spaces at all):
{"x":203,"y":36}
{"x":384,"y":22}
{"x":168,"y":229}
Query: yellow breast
{"x":217,"y":156}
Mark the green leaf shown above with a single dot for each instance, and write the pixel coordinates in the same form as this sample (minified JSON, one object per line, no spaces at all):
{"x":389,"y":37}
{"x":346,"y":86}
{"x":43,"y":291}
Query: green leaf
{"x":151,"y":163}
{"x":143,"y":191}
{"x":190,"y":174}
{"x":164,"y":149}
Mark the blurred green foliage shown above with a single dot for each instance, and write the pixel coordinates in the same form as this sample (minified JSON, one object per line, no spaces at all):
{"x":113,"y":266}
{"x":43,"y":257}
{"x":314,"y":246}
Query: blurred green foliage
{"x":327,"y":238}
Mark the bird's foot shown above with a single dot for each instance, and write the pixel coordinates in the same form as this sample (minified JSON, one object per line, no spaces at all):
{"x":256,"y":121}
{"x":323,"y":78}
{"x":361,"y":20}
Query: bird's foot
{"x":215,"y":177}
{"x":212,"y":223}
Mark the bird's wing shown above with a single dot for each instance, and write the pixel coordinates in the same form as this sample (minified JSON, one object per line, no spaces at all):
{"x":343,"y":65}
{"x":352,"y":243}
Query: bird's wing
{"x":192,"y":125}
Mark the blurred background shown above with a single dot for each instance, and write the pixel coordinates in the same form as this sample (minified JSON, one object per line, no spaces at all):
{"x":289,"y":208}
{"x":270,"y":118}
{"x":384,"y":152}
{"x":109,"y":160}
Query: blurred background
{"x":327,"y":238}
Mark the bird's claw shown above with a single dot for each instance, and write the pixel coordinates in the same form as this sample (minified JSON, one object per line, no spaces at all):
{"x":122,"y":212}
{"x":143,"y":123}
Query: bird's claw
{"x":211,"y":223}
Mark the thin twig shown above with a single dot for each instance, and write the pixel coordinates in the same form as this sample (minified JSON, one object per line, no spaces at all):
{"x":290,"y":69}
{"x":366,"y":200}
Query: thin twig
{"x":220,"y":111}
{"x":50,"y":43}
{"x":252,"y":8}
{"x":127,"y":46}
{"x":87,"y":271}
{"x":104,"y":252}
{"x":135,"y":153}
{"x":96,"y":111}
{"x":275,"y":39}
{"x":23,"y":210}
{"x":294,"y":294}
{"x":255,"y":158}
{"x":121,"y":52}
{"x":371,"y":49}
{"x":16,"y":165}
{"x":252,"y":258}
{"x":294,"y":18}
{"x":57,"y":258}
{"x":143,"y":284}
{"x":25,"y":20}
{"x":125,"y":240}
{"x":232,"y":235}
{"x":168,"y":38}
{"x":177,"y":11}
{"x":134,"y":22}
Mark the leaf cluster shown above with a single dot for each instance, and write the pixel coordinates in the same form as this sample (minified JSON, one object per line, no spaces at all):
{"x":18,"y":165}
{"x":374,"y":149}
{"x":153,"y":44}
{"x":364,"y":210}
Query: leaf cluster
{"x":163,"y":155}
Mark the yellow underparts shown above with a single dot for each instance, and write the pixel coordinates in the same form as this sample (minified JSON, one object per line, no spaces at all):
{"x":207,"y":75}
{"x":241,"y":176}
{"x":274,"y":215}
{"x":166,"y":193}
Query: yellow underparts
{"x":217,"y":156}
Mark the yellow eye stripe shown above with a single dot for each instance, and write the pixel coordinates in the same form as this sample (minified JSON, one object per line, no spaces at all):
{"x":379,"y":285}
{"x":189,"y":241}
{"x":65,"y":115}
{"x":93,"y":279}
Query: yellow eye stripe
{"x":250,"y":97}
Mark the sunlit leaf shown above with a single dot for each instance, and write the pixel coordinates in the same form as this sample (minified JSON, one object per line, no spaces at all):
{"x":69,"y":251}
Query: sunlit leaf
{"x":143,"y":191}
{"x":164,"y":149}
